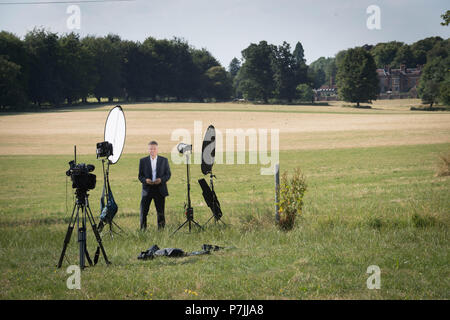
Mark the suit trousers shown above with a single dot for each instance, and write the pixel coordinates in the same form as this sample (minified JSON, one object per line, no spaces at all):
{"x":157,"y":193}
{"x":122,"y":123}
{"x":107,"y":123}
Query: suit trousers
{"x":146,"y":200}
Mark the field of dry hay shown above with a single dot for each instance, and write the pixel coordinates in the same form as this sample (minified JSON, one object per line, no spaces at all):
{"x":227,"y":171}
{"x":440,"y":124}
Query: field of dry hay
{"x":301,"y":127}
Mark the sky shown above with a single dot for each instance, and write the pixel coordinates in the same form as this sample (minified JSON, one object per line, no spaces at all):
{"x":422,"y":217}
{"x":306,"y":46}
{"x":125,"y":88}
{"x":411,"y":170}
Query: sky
{"x":225,"y":28}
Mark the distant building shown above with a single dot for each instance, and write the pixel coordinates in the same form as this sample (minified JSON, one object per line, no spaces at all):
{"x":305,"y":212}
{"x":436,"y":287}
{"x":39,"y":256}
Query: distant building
{"x":394,"y":84}
{"x":398,"y":81}
{"x":326,"y":92}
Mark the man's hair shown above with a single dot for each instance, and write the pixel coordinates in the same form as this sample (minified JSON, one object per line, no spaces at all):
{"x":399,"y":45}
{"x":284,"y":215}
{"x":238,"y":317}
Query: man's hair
{"x":153,"y":142}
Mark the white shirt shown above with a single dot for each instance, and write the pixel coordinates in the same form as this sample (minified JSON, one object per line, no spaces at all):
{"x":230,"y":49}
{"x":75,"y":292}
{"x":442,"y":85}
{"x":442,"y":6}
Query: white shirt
{"x":153,"y":161}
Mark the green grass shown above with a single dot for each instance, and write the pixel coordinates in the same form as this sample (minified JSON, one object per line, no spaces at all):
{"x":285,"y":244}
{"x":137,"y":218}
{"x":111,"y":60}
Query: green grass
{"x":363,"y":206}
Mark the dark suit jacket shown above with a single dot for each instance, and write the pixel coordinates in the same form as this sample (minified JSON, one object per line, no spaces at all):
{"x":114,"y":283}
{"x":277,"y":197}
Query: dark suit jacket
{"x":162,"y":172}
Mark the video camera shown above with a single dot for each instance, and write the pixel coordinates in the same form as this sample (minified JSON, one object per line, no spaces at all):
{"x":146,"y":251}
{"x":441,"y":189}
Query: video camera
{"x":81,"y":177}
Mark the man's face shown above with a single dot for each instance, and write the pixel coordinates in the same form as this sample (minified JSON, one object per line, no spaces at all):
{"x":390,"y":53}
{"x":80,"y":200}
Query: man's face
{"x":153,"y":150}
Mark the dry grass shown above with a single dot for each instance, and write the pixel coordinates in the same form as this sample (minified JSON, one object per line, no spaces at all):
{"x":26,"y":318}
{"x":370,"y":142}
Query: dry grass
{"x":301,"y":127}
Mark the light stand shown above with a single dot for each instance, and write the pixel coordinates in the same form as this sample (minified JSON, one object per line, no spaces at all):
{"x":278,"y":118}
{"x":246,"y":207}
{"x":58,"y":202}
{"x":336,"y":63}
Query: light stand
{"x":110,"y":150}
{"x":107,"y":194}
{"x":208,"y":155}
{"x":189,"y":211}
{"x":212,"y":202}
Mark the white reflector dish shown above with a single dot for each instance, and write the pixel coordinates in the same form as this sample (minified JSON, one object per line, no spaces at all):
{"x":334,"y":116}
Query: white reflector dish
{"x":115,"y":131}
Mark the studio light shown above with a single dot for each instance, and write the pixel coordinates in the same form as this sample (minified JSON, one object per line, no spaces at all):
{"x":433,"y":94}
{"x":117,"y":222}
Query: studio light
{"x":183,"y":148}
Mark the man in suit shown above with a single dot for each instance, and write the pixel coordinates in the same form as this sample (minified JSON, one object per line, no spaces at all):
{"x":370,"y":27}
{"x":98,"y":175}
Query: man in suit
{"x":154,"y":172}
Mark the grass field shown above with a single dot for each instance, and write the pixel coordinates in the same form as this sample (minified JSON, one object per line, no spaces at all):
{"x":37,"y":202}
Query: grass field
{"x":373,"y":199}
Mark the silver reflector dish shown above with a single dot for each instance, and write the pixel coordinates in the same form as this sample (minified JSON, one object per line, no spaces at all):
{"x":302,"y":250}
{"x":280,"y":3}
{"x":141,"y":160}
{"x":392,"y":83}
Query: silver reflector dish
{"x":115,"y":131}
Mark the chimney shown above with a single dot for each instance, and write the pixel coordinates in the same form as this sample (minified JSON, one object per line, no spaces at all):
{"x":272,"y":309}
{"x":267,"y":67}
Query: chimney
{"x":403,"y":67}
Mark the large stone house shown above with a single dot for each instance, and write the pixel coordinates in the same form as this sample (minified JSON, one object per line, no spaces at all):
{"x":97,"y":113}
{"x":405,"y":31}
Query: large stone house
{"x":397,"y":81}
{"x":394,"y":84}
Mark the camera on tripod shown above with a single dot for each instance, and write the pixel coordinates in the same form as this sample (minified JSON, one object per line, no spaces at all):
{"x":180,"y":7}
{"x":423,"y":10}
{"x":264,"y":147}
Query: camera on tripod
{"x":80,"y":175}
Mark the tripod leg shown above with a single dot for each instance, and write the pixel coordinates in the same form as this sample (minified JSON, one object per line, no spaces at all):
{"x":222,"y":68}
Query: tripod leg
{"x":208,"y":220}
{"x":111,"y":231}
{"x":86,"y":252}
{"x":67,"y":238}
{"x":82,"y":237}
{"x":87,"y":255}
{"x":182,"y":225}
{"x":197,"y":224}
{"x":118,"y":227}
{"x":97,"y":235}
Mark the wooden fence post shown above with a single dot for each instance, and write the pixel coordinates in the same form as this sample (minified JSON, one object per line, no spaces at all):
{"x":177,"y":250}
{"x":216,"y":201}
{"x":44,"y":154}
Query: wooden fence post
{"x":277,"y":192}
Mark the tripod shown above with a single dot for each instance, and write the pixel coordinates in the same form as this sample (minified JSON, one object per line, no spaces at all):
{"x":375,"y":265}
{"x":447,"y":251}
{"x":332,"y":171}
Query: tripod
{"x":82,"y":206}
{"x":212,"y":200}
{"x":189,"y":211}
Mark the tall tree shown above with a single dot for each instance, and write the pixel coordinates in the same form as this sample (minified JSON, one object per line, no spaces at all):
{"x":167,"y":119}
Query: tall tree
{"x":357,"y":79}
{"x":433,"y":83}
{"x":45,"y":84}
{"x":15,"y":71}
{"x":107,"y":59}
{"x":183,"y":69}
{"x":234,"y":67}
{"x":286,"y":71}
{"x":219,"y":83}
{"x":138,"y":71}
{"x":421,"y":48}
{"x":446,"y":18}
{"x":74,"y":68}
{"x":301,"y":69}
{"x":203,"y":61}
{"x":385,"y":52}
{"x":12,"y":93}
{"x":256,"y":74}
{"x":404,"y":56}
{"x":322,"y":71}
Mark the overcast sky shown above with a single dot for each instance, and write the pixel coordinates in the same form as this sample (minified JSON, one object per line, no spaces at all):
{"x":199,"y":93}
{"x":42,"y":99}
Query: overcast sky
{"x":225,"y":28}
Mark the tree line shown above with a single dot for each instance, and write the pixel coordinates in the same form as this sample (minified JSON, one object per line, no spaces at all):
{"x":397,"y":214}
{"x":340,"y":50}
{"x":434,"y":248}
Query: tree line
{"x":271,"y":72}
{"x":353,"y":71}
{"x":45,"y":69}
{"x":391,"y":54}
{"x":275,"y":74}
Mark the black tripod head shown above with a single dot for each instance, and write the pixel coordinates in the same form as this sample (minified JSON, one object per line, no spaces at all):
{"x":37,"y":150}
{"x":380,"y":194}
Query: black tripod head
{"x":81,"y":196}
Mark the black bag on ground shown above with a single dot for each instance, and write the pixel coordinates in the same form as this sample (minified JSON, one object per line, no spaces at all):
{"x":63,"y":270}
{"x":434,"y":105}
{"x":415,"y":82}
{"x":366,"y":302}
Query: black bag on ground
{"x":175,"y":252}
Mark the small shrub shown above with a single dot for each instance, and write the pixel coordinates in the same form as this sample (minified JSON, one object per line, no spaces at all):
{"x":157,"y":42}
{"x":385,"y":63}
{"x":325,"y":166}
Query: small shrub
{"x":291,"y":198}
{"x":444,"y":165}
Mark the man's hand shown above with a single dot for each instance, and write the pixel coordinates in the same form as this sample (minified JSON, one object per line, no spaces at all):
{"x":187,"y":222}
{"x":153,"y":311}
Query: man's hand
{"x":148,"y":181}
{"x":157,"y":181}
